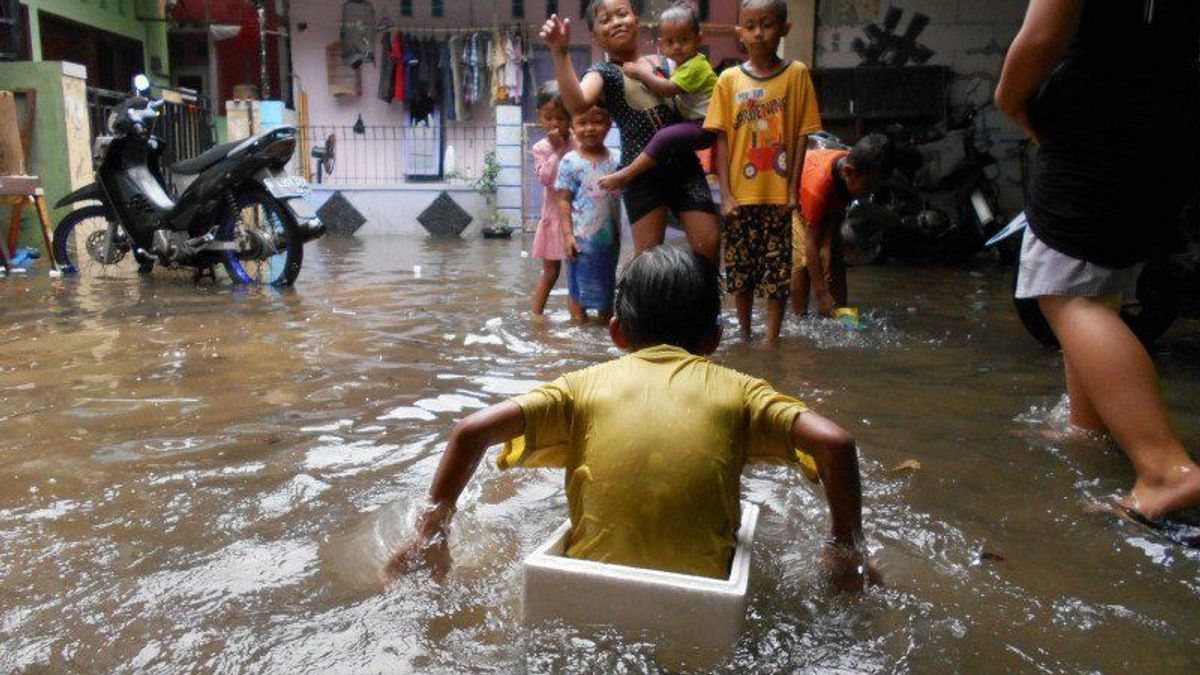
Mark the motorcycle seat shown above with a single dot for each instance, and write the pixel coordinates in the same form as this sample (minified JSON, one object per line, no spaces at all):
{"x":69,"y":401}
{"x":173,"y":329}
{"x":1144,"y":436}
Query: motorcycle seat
{"x":195,"y":165}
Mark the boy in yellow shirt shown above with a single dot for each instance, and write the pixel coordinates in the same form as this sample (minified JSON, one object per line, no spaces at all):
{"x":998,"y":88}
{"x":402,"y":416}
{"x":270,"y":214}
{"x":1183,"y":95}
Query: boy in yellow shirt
{"x":654,"y":443}
{"x":762,"y":113}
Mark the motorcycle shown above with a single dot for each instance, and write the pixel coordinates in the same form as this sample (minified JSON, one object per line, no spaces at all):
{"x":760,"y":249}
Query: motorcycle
{"x":239,"y":207}
{"x":940,"y":204}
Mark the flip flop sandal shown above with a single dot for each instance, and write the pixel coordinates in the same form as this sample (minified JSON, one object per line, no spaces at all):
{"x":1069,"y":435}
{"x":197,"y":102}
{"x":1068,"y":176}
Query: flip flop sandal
{"x":1184,"y":534}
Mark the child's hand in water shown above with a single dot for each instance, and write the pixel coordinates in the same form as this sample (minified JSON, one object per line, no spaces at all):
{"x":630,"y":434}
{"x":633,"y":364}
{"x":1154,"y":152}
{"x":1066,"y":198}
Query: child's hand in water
{"x":433,"y":553}
{"x":848,"y":568}
{"x":556,"y":33}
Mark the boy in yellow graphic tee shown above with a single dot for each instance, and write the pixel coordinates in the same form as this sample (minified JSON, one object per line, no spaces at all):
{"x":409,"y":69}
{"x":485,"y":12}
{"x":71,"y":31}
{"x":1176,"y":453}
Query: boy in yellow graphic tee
{"x":654,"y":443}
{"x":762,"y":113}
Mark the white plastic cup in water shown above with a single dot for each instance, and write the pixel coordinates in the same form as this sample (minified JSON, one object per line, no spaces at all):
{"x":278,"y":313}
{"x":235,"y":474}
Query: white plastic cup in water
{"x":55,"y":274}
{"x":416,"y":271}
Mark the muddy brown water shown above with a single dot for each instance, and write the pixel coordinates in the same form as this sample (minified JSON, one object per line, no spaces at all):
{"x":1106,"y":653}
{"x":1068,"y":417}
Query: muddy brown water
{"x":201,"y":479}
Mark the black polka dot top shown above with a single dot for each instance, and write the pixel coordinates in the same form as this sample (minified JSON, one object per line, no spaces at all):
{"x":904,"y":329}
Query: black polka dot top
{"x":637,"y":125}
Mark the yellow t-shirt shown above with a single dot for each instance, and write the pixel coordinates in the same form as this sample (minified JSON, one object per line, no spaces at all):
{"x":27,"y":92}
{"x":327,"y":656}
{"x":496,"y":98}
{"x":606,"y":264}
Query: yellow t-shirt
{"x":763,"y":118}
{"x":653,"y":445}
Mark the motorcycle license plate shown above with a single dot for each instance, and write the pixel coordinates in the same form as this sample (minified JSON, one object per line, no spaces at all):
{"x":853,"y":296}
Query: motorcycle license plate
{"x":283,"y":187}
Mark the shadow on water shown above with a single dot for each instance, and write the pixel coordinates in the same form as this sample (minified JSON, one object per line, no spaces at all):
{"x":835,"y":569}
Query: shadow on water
{"x":204,"y":479}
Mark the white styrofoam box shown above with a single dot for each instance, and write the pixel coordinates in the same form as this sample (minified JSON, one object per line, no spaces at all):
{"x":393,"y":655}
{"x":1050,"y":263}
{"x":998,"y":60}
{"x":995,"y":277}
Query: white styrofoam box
{"x":692,"y":619}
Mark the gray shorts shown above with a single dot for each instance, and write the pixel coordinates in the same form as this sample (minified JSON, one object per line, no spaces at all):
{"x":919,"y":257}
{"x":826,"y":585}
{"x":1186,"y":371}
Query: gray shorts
{"x":1045,"y":271}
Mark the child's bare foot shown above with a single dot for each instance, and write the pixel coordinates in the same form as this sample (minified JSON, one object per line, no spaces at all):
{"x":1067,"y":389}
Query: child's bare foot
{"x":1178,"y":491}
{"x":615,"y":182}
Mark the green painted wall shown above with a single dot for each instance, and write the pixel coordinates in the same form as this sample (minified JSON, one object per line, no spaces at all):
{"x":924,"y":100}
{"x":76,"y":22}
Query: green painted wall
{"x":47,"y":153}
{"x":115,"y":16}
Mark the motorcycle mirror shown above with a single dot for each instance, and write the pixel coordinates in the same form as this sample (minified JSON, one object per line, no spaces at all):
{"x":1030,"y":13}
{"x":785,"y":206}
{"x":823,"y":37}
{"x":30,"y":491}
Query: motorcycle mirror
{"x":141,"y":84}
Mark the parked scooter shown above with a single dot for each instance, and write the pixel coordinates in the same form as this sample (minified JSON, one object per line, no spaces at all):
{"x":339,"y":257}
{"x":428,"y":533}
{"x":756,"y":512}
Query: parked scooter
{"x":939,"y":205}
{"x":239,"y":209}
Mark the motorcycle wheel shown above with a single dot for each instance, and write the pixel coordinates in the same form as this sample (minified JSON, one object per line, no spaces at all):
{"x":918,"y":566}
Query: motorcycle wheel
{"x":261,"y":216}
{"x":1149,"y":316}
{"x":90,"y":243}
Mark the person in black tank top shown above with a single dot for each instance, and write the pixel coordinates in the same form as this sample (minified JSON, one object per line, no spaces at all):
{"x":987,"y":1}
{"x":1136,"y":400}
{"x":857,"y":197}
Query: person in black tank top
{"x":1110,"y":91}
{"x":678,"y":184}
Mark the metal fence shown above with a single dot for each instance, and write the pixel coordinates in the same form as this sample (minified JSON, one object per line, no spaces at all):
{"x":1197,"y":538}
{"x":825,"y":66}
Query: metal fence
{"x":186,"y":123}
{"x":397,"y":154}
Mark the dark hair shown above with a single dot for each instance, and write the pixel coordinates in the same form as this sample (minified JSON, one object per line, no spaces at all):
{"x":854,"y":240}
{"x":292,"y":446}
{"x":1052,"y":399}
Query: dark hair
{"x":594,"y":6}
{"x":779,"y":7}
{"x":680,"y":12}
{"x":872,"y":154}
{"x":668,"y":295}
{"x":548,"y":93}
{"x":598,"y":108}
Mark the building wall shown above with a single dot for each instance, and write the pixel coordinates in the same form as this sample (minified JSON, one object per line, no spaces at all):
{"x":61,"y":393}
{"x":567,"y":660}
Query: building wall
{"x":970,"y":36}
{"x":60,"y":146}
{"x":115,"y":16}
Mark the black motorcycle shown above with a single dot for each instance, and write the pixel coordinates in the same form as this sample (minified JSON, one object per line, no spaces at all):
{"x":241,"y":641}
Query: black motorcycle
{"x":239,"y":208}
{"x":939,"y":205}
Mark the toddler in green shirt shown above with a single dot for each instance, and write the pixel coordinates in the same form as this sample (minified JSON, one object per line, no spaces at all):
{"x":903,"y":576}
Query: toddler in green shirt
{"x":691,"y":86}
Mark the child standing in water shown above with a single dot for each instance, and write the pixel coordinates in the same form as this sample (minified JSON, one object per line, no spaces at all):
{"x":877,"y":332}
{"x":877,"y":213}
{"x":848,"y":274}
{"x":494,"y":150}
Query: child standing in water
{"x":762,"y":113}
{"x":547,"y":153}
{"x":654,"y":486}
{"x":690,"y":85}
{"x":678,"y":183}
{"x":589,"y":217}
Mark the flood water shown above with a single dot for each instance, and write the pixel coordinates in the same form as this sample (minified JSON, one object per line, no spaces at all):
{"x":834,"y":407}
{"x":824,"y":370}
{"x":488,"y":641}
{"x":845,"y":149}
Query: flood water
{"x":201,"y":479}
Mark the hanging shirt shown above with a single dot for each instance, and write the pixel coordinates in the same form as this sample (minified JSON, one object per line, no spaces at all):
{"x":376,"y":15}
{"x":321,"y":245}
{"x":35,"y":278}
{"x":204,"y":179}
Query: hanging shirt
{"x":461,"y":111}
{"x":447,"y":80}
{"x":400,"y":67}
{"x":763,"y":118}
{"x":514,"y":70}
{"x":411,"y":59}
{"x":387,"y":69}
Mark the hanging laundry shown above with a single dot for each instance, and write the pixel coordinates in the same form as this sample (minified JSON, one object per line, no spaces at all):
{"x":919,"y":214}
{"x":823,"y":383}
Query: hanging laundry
{"x":387,"y":69}
{"x":358,"y":30}
{"x":514,"y":74}
{"x":411,"y":47}
{"x":461,"y":111}
{"x":399,"y":67}
{"x":498,"y":68}
{"x":447,"y":82}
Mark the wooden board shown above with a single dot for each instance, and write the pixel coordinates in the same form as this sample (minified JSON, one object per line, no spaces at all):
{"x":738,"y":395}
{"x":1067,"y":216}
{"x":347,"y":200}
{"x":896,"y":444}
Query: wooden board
{"x":12,"y":154}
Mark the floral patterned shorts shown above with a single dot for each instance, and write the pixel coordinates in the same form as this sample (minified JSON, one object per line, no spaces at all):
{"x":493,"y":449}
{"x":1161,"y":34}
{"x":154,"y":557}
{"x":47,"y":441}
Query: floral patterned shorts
{"x":758,"y":250}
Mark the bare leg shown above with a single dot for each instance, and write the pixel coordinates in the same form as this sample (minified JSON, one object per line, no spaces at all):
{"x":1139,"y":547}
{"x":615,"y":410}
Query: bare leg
{"x":649,"y":230}
{"x":799,"y":290}
{"x":745,"y":309}
{"x":1083,"y":413}
{"x":775,"y":310}
{"x":1112,"y":369}
{"x":831,"y":252}
{"x":541,"y":292}
{"x":703,"y":233}
{"x":619,"y":180}
{"x":578,"y":313}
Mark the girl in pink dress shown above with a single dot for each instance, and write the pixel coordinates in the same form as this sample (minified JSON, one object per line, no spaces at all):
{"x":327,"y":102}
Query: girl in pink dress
{"x":547,"y":243}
